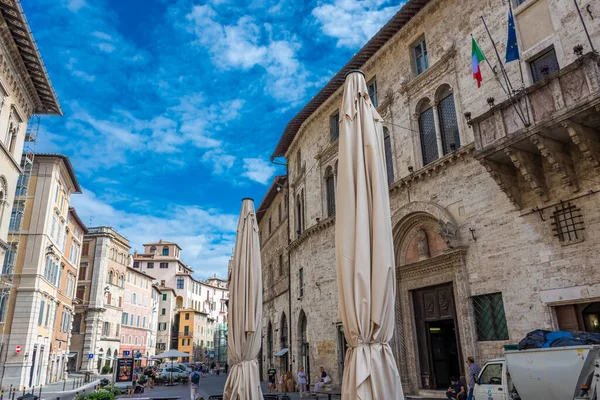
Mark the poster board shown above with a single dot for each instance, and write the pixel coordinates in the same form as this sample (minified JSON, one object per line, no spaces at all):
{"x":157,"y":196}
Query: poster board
{"x":124,"y":370}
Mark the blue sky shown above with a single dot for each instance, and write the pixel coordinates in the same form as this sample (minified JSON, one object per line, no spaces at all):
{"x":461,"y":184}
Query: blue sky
{"x":172,"y":108}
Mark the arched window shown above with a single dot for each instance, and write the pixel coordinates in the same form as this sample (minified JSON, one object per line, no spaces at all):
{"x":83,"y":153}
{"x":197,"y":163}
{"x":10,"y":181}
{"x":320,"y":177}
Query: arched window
{"x":387,"y":142}
{"x":448,"y":121}
{"x":110,"y":277}
{"x":121,"y":281}
{"x":165,"y":251}
{"x":330,"y":191}
{"x":303,"y":344}
{"x":153,"y":249}
{"x":270,"y":343}
{"x":299,"y":214}
{"x":284,"y":332}
{"x":427,"y":133}
{"x":3,"y":195}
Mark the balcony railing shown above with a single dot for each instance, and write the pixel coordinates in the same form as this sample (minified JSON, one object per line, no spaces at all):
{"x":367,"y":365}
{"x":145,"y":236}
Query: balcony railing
{"x":534,"y":158}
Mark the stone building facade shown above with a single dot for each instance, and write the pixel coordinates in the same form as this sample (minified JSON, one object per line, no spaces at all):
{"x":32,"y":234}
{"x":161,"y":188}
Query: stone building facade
{"x":25,"y":90}
{"x":272,"y":217}
{"x":60,"y":352}
{"x":100,"y":290}
{"x":38,"y":314}
{"x":493,"y":199}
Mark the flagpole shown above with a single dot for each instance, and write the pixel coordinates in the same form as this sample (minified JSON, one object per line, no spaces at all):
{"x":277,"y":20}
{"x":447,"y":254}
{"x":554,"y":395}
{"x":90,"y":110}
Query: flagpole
{"x":526,"y":113}
{"x":504,"y":74}
{"x":510,"y":91}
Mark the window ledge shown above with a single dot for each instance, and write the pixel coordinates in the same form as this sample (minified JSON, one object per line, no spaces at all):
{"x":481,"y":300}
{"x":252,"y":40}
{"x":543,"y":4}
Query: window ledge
{"x":433,"y":72}
{"x":433,"y":168}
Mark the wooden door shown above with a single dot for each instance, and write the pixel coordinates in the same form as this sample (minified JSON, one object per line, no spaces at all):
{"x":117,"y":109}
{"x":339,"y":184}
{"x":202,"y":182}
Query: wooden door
{"x":568,"y":318}
{"x":432,"y":304}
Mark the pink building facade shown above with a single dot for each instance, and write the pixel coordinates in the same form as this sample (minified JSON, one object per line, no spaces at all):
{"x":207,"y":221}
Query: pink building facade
{"x":137,"y":323}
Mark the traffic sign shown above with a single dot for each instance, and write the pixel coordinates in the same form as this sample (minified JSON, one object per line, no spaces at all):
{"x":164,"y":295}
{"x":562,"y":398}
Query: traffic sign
{"x":91,"y":355}
{"x":18,"y":349}
{"x":126,"y":352}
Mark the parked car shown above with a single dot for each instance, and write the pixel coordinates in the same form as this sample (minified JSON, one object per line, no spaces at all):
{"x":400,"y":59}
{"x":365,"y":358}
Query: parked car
{"x":172,"y":372}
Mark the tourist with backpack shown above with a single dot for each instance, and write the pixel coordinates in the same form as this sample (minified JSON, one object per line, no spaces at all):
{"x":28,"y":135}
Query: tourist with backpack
{"x":195,"y":382}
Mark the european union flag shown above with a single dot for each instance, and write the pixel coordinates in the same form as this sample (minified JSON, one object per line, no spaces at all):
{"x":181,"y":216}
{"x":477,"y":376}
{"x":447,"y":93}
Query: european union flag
{"x":512,"y":47}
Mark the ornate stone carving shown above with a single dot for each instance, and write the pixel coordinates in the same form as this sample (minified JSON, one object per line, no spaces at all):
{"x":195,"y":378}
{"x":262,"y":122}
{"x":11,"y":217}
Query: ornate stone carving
{"x":422,"y":244}
{"x":542,"y":103}
{"x":574,"y":86}
{"x":506,"y":178}
{"x":586,"y":140}
{"x":487,"y":130}
{"x":512,"y":121}
{"x":559,"y":159}
{"x":530,"y":167}
{"x":448,"y":231}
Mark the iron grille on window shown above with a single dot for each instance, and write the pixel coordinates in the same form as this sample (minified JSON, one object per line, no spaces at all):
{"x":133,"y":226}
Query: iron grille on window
{"x":330,"y":189}
{"x":427,"y":133}
{"x":372,"y":87}
{"x":567,"y":223}
{"x":490,"y":319}
{"x":449,"y":124}
{"x":388,"y":155}
{"x":544,"y":65}
{"x":334,"y":127}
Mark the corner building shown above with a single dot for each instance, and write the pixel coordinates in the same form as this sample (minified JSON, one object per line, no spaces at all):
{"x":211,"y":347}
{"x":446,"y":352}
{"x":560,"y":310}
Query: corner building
{"x":494,"y":203}
{"x":96,"y":336}
{"x":37,"y":314}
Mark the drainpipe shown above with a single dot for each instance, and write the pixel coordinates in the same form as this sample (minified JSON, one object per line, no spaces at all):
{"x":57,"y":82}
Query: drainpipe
{"x":289,"y":260}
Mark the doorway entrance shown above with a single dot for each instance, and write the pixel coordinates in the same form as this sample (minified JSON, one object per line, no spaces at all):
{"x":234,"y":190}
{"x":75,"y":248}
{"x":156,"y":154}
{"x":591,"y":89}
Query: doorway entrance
{"x":579,"y":317}
{"x":437,"y":336}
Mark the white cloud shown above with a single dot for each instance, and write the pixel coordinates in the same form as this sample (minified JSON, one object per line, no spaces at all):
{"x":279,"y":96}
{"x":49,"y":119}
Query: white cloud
{"x":245,"y":44}
{"x":106,"y":47}
{"x":218,"y":160}
{"x":354,"y":22}
{"x":75,"y":5}
{"x":258,"y":170}
{"x":206,"y":236}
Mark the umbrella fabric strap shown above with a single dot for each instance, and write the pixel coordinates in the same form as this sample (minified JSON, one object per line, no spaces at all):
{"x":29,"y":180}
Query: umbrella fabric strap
{"x":242,"y":362}
{"x":364,"y":353}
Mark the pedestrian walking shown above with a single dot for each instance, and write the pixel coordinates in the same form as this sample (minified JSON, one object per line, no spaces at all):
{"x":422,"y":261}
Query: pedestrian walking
{"x":271,"y":376}
{"x":302,"y":382}
{"x":474,"y":370}
{"x":226,"y":368}
{"x":194,"y":379}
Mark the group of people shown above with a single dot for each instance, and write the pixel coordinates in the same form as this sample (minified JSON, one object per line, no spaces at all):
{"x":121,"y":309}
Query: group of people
{"x":457,"y":390}
{"x":286,"y":383}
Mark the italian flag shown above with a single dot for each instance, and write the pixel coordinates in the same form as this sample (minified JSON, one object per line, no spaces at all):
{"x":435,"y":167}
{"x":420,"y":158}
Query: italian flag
{"x":476,"y":58}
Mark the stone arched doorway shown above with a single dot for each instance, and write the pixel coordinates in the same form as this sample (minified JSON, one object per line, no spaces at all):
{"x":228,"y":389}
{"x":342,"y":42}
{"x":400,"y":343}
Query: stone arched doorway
{"x":303,"y":346}
{"x":432,"y":292}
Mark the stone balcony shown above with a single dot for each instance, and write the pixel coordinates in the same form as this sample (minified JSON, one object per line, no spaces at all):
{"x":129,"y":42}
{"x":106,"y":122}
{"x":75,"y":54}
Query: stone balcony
{"x":543,"y":156}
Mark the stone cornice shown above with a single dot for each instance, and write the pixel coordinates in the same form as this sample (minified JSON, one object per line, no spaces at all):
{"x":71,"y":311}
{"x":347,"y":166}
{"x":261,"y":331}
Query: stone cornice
{"x":443,"y":262}
{"x":16,"y":66}
{"x":319,"y":227}
{"x":433,"y":168}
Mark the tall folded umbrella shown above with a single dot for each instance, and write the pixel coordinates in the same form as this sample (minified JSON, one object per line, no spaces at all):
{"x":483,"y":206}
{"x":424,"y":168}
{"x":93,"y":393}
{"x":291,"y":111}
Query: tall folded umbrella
{"x":245,"y":310}
{"x":364,"y":249}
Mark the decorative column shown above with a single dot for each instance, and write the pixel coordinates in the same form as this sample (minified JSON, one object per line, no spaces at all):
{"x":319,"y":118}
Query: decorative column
{"x":438,"y":129}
